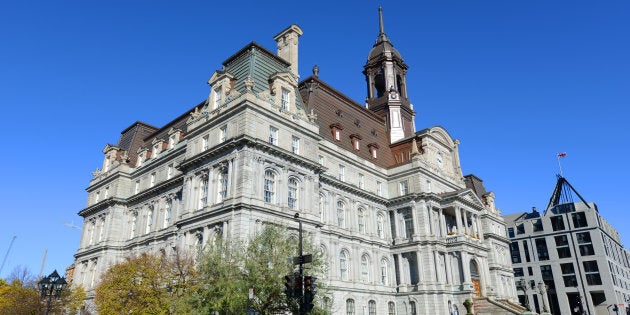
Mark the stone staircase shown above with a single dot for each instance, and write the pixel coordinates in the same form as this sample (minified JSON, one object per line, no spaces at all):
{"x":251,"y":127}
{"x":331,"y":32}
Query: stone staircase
{"x":491,"y":306}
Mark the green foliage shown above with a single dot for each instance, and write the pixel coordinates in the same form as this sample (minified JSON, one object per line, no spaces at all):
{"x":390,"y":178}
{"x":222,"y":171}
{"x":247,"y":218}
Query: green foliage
{"x":229,"y":269}
{"x":147,"y":284}
{"x":21,"y":296}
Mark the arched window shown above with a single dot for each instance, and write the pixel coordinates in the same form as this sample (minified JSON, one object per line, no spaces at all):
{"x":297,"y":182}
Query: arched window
{"x":349,"y":307}
{"x":412,"y":306}
{"x":372,"y":307}
{"x":270,"y":186}
{"x":222,"y":180}
{"x":391,"y":308}
{"x":167,"y":213}
{"x":341,"y":214}
{"x":361,"y":220}
{"x":365,"y":269}
{"x":380,"y":225}
{"x":149,"y":221}
{"x":293,"y":193}
{"x":134,"y":219}
{"x":384,"y":273}
{"x":343,"y":265}
{"x":203,"y":193}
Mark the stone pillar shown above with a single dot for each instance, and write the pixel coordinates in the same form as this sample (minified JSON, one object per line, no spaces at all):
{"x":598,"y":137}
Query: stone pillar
{"x":442,"y":222}
{"x":447,"y":267}
{"x":458,"y":220}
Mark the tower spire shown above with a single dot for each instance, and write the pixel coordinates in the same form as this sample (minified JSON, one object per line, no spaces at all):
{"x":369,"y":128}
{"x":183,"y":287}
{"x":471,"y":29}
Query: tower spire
{"x":381,"y":28}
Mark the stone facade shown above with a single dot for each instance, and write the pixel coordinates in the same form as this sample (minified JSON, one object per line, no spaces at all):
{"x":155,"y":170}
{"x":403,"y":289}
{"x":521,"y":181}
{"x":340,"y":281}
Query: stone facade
{"x":403,"y":231}
{"x":574,"y":251}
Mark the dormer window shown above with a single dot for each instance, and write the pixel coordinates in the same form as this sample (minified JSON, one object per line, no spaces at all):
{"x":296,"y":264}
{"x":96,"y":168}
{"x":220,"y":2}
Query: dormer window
{"x":217,"y":97}
{"x":356,"y":141}
{"x":171,"y":141}
{"x":336,"y":131}
{"x":284,"y":100}
{"x":156,"y":150}
{"x":373,"y":147}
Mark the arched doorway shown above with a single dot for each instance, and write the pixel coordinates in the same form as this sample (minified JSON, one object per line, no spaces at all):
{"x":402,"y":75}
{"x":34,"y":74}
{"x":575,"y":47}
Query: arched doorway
{"x":475,"y":277}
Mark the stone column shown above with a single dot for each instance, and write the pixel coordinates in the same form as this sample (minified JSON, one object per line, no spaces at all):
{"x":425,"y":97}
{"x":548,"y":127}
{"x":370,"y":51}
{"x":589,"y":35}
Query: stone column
{"x":447,"y":267}
{"x":442,"y":222}
{"x":458,"y":219}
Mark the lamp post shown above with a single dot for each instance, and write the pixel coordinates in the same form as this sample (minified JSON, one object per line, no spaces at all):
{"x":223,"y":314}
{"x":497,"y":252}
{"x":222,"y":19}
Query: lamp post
{"x":50,"y":286}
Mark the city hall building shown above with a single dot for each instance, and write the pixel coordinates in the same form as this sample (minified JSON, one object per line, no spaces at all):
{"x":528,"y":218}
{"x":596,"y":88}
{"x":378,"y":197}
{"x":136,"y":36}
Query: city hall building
{"x":402,"y":229}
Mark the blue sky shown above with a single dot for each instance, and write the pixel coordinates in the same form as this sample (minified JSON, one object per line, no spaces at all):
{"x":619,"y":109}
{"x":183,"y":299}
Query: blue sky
{"x":516,"y":81}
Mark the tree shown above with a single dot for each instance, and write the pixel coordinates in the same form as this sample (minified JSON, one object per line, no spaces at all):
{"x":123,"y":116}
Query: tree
{"x":228,"y":269}
{"x":146,"y":284}
{"x":20,"y":295}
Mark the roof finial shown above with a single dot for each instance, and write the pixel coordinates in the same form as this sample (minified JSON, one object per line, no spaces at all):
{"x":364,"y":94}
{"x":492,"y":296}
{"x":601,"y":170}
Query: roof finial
{"x":380,"y":21}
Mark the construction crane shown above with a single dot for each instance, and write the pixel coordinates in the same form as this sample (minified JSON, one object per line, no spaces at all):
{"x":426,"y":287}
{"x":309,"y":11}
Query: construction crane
{"x":7,"y":254}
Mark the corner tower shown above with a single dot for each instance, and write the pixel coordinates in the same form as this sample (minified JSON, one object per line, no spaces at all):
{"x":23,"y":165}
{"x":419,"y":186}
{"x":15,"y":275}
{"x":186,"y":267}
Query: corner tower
{"x":385,"y":72}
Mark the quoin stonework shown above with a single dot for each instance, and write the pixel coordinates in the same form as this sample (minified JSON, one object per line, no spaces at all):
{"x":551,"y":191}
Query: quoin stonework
{"x":402,"y":229}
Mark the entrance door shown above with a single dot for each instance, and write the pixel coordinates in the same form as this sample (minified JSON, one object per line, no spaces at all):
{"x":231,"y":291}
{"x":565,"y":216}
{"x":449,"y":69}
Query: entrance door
{"x":475,"y":278}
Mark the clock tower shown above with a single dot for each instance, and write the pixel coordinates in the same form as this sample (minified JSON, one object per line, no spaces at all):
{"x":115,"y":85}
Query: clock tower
{"x":385,"y":72}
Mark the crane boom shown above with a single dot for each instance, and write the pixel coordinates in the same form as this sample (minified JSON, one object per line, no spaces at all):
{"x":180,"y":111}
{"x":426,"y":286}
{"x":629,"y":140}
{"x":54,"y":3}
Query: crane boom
{"x":7,"y":254}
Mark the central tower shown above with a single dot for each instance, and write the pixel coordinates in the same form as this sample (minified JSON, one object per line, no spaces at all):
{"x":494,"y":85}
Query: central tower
{"x":385,"y":72}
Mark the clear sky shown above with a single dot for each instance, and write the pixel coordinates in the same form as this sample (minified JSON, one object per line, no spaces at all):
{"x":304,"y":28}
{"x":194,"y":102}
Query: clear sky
{"x":516,"y":81}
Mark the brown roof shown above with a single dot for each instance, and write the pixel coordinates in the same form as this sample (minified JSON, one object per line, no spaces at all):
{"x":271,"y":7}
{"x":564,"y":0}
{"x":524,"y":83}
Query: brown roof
{"x":336,"y":109}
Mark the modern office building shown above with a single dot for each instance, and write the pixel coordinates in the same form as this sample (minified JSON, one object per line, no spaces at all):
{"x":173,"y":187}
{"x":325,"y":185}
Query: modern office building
{"x":572,"y":249}
{"x":403,"y":231}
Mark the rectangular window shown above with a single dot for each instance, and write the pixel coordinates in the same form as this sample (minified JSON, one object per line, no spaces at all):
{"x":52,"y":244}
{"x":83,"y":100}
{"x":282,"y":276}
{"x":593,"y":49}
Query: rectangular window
{"x":526,"y":250}
{"x":204,"y":143}
{"x":152,"y":179}
{"x":520,"y":229}
{"x":579,"y":219}
{"x":541,"y":249}
{"x":223,"y":185}
{"x":587,"y":250}
{"x":273,"y":135}
{"x":584,"y":238}
{"x":518,"y":272}
{"x":321,"y":160}
{"x":592,"y":273}
{"x":361,"y":181}
{"x":511,"y":232}
{"x":337,"y":133}
{"x":515,"y":252}
{"x":379,"y":189}
{"x":284,"y":102}
{"x":561,"y":240}
{"x":106,"y":192}
{"x":404,"y":188}
{"x":342,"y":172}
{"x":537,"y":225}
{"x":295,"y":145}
{"x":217,"y":98}
{"x":223,"y":134}
{"x":564,"y":252}
{"x":136,"y":189}
{"x":355,"y":143}
{"x":557,"y":223}
{"x":546,"y":272}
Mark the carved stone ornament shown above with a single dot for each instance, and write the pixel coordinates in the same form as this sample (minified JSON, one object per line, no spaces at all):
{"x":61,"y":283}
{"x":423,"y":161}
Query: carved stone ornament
{"x":312,"y":117}
{"x":194,"y":115}
{"x":249,"y":83}
{"x":97,"y":172}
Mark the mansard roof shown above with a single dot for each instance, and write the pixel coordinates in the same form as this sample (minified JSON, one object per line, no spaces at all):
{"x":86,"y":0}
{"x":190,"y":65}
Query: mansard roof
{"x":333,"y":108}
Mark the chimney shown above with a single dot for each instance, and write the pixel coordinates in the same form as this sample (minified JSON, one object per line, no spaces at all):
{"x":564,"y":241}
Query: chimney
{"x":288,"y":46}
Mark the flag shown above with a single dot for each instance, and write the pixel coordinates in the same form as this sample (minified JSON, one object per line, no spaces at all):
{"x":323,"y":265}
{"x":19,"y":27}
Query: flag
{"x":562,"y":154}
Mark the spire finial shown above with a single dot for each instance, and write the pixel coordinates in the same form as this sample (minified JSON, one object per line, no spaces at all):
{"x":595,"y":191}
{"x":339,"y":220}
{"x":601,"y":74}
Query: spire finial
{"x":381,"y":27}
